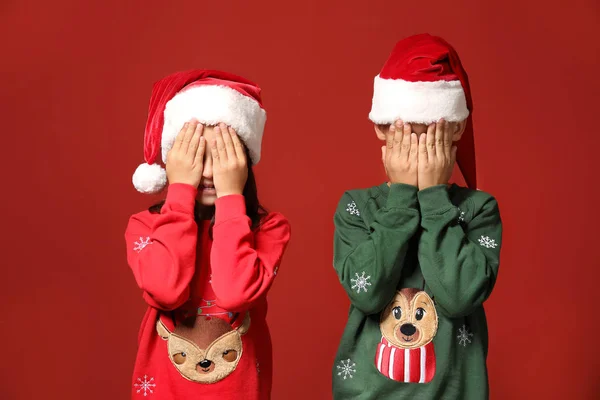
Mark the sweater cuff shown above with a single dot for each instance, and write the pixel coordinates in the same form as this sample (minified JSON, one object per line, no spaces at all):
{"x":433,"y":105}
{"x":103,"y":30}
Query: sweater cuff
{"x":229,"y":207}
{"x":435,"y":200}
{"x":181,"y":197}
{"x":402,"y":196}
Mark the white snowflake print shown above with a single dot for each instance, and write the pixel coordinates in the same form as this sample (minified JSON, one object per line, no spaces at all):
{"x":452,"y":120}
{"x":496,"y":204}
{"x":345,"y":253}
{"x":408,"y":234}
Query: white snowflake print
{"x":139,"y":246}
{"x":487,"y":242}
{"x":464,"y":336}
{"x":361,"y":282}
{"x":461,"y":217}
{"x":346,"y":369}
{"x":145,"y":386}
{"x":352,"y":209}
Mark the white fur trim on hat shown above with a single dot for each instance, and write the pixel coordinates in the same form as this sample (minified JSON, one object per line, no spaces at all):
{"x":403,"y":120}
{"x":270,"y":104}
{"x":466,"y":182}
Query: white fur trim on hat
{"x":149,"y":178}
{"x":212,"y":104}
{"x":417,"y":102}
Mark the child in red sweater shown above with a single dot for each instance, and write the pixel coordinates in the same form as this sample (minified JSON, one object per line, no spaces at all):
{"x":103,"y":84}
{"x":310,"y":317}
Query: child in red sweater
{"x":206,"y":256}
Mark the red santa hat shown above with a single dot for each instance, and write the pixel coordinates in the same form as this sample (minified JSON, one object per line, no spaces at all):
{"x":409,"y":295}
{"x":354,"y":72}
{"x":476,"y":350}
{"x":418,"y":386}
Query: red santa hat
{"x":423,"y":81}
{"x":211,"y":97}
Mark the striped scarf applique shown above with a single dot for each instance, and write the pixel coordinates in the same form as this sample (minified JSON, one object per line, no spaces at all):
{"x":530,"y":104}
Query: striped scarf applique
{"x":408,"y":326}
{"x":406,"y":365}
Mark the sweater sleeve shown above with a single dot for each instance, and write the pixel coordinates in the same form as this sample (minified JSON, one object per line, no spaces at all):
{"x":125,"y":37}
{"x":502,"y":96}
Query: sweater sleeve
{"x":369,"y":259}
{"x":459,"y":264}
{"x":244,"y":263}
{"x":161,"y":249}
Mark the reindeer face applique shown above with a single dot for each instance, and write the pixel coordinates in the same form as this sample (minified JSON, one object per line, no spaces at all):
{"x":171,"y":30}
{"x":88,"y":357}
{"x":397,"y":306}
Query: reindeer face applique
{"x":408,"y":325}
{"x":410,"y":320}
{"x":204,"y":350}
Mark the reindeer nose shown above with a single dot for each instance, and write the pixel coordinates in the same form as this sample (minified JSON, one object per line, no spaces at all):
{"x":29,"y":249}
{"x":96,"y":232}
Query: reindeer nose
{"x":205,"y":363}
{"x":408,"y":329}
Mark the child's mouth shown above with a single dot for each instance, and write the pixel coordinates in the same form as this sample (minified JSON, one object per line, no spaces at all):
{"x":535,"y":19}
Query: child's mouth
{"x":207,"y":188}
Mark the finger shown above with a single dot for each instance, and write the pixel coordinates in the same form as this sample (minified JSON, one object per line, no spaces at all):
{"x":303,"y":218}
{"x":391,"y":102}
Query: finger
{"x":423,"y":157}
{"x":237,"y":145}
{"x":214,"y":154}
{"x":414,"y":149}
{"x":199,"y":158}
{"x":221,"y":150}
{"x":193,"y":148}
{"x":180,"y":135}
{"x":405,"y":147}
{"x":440,"y":133}
{"x":430,"y":141}
{"x":448,"y":134}
{"x":453,"y":153}
{"x":208,"y":160}
{"x":397,"y":142}
{"x":229,"y":150}
{"x":440,"y":142}
{"x":383,"y":151}
{"x":389,"y":138}
{"x":187,"y":137}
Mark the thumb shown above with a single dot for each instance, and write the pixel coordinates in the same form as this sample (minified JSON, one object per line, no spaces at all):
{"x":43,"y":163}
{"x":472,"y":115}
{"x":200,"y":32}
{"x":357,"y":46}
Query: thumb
{"x":383,"y":158}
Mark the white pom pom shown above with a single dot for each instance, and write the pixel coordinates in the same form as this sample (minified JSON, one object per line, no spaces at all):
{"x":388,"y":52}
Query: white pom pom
{"x":149,"y":178}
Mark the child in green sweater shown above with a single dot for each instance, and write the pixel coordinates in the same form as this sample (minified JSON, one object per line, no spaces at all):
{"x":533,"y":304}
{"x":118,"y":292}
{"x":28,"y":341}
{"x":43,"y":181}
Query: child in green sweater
{"x":416,"y":255}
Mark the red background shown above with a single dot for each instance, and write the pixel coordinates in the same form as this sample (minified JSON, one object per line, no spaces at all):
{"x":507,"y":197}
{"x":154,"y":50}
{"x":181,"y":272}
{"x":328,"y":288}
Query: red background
{"x":76,"y":80}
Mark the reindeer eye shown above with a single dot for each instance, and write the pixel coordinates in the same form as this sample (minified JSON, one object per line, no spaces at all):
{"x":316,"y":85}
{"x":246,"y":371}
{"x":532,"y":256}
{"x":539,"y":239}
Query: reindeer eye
{"x":179,"y":358}
{"x":397,"y":312}
{"x":419,"y":314}
{"x":230,"y":355}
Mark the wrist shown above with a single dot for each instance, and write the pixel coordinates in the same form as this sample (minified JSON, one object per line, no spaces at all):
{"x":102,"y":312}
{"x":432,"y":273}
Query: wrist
{"x":181,"y":197}
{"x":225,"y":193}
{"x":435,"y":199}
{"x":403,"y":181}
{"x":402,"y":195}
{"x":426,"y":185}
{"x":182,"y":181}
{"x":229,"y":207}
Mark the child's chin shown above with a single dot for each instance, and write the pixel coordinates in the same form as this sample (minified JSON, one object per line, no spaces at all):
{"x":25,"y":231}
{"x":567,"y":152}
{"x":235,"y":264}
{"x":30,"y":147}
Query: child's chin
{"x":207,"y":200}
